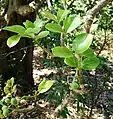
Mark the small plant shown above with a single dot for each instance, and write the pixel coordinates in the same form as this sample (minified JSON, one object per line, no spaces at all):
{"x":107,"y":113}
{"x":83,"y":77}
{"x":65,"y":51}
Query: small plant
{"x":8,"y":103}
{"x":76,"y":54}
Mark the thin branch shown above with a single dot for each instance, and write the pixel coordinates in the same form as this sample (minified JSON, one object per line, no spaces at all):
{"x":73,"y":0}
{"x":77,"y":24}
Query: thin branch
{"x":104,"y":43}
{"x":2,"y":56}
{"x":49,"y":5}
{"x":91,"y":13}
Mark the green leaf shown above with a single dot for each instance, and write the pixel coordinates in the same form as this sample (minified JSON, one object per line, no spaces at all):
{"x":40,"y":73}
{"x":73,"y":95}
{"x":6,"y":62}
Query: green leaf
{"x":1,"y":103}
{"x":42,"y":34}
{"x":88,"y":53}
{"x":6,"y":90}
{"x":90,"y":63}
{"x":15,"y":28}
{"x":44,"y":86}
{"x":29,"y":24}
{"x":71,"y":61}
{"x":82,"y":42}
{"x":13,"y":40}
{"x":14,"y":88}
{"x":10,"y":82}
{"x":5,"y":112}
{"x":62,"y":14}
{"x":54,"y":27}
{"x":74,"y":85}
{"x":49,"y":15}
{"x":32,"y":30}
{"x":38,"y":23}
{"x":61,"y":51}
{"x":71,"y":23}
{"x":7,"y":101}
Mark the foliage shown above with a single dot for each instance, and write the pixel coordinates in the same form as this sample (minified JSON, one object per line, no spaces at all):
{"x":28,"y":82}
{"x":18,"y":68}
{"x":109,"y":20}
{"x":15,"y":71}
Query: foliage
{"x":66,"y":39}
{"x":10,"y":102}
{"x":30,"y":30}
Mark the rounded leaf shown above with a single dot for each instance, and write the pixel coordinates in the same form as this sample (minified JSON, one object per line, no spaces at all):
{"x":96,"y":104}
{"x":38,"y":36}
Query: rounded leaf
{"x":90,"y":63}
{"x":62,"y":14}
{"x":49,"y":15}
{"x":15,"y":28}
{"x":61,"y":51}
{"x":71,"y":61}
{"x":29,"y":24}
{"x":82,"y":42}
{"x":5,"y":112}
{"x":54,"y":27}
{"x":13,"y":40}
{"x":71,"y":23}
{"x":88,"y":53}
{"x":4,"y":107}
{"x":42,"y":34}
{"x":44,"y":86}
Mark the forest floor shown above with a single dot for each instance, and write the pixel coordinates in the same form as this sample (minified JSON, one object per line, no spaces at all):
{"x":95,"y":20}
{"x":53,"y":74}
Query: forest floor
{"x":40,"y":72}
{"x":46,"y":109}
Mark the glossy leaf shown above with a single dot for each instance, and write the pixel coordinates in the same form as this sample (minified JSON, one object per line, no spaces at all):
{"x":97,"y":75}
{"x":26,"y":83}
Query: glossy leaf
{"x":49,"y":15}
{"x":88,"y":53}
{"x":10,"y":82}
{"x":44,"y":86}
{"x":42,"y":34}
{"x":71,"y":23}
{"x":14,"y":88}
{"x":62,"y":14}
{"x":29,"y":24}
{"x":15,"y":28}
{"x":32,"y":30}
{"x":82,"y":42}
{"x":71,"y":61}
{"x":54,"y":27}
{"x":38,"y":23}
{"x":61,"y":51}
{"x":13,"y":40}
{"x":90,"y":63}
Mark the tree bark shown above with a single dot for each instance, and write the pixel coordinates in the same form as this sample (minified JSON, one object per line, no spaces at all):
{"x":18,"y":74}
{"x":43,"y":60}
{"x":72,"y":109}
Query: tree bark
{"x":91,"y":13}
{"x":19,"y":64}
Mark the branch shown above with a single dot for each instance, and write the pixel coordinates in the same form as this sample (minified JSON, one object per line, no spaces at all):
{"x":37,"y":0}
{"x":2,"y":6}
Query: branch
{"x":91,"y":13}
{"x":49,"y":5}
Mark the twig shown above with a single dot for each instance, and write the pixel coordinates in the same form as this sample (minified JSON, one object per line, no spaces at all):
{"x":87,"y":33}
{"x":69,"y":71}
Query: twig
{"x":62,"y":39}
{"x":104,"y":43}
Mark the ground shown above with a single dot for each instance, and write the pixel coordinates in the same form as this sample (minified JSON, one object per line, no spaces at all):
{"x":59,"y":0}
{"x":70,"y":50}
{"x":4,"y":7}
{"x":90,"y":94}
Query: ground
{"x":43,"y":109}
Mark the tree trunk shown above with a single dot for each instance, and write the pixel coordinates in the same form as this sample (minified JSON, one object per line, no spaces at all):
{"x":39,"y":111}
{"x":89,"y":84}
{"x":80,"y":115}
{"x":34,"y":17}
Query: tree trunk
{"x":19,"y":63}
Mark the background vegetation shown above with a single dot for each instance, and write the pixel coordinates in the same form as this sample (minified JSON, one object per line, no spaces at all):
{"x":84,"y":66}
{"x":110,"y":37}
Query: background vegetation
{"x":56,"y":59}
